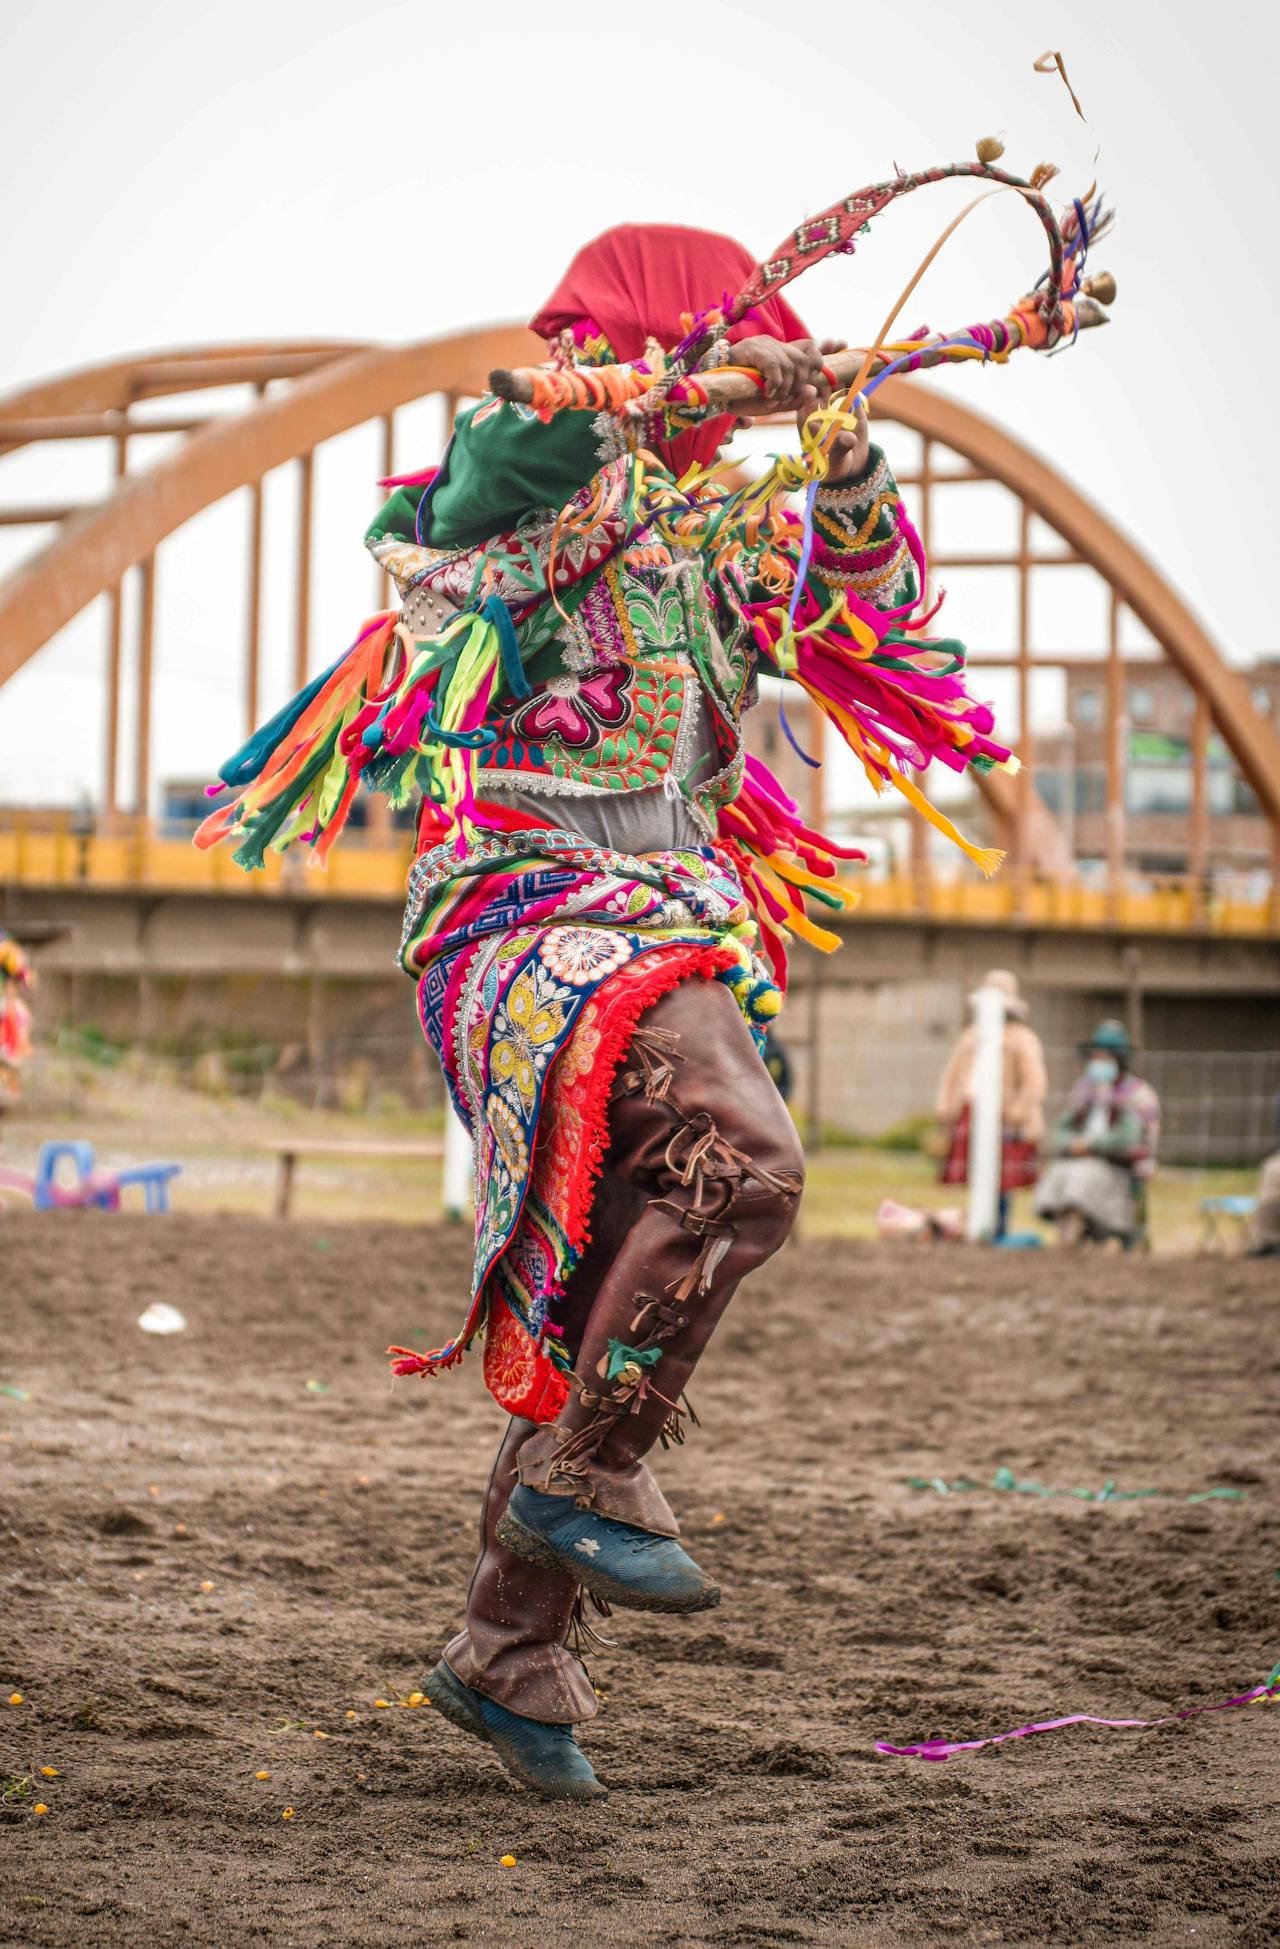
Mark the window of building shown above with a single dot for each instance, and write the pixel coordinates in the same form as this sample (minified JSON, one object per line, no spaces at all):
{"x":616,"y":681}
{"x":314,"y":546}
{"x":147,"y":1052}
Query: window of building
{"x":1158,"y":790}
{"x":1142,"y":704}
{"x":1091,"y":789}
{"x":1220,"y":792}
{"x":1086,"y":708}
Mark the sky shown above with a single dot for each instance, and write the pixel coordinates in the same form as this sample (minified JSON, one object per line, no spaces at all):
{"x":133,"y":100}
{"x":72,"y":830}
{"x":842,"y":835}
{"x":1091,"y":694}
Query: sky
{"x":389,"y":172}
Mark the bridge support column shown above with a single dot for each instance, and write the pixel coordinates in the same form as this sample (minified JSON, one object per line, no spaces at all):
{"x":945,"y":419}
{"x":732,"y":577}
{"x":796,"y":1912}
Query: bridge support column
{"x":1133,"y":994}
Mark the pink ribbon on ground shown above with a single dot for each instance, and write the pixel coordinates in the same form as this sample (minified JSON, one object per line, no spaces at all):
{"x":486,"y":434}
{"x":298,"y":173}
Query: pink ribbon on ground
{"x":943,"y":1749}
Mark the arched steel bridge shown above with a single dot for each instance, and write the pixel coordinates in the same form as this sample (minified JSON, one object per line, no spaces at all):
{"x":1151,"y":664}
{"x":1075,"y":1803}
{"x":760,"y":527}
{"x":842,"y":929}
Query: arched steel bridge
{"x":302,"y":394}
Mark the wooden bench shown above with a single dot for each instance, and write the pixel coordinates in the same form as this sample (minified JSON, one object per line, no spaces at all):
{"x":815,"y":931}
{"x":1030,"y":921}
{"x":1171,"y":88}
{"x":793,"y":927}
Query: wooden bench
{"x":295,"y":1148}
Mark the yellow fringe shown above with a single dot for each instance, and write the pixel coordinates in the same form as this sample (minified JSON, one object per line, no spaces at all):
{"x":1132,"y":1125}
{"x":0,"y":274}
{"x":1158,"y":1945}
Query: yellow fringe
{"x":987,"y":859}
{"x":801,"y":878}
{"x":797,"y":922}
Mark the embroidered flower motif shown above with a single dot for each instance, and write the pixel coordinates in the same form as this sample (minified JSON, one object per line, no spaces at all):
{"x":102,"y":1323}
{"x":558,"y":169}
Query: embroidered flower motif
{"x":582,"y":954}
{"x":632,"y":899}
{"x":576,"y":710}
{"x":508,"y":1135}
{"x":579,"y":1053}
{"x":510,"y":1361}
{"x":523,"y":1027}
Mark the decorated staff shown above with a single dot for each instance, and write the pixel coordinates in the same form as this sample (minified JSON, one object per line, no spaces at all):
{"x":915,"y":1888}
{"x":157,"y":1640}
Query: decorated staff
{"x":1064,"y":303}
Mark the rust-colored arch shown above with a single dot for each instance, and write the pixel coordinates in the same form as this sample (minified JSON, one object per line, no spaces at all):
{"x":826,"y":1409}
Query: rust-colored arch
{"x":116,"y":384}
{"x":1253,"y":740}
{"x":92,"y":551}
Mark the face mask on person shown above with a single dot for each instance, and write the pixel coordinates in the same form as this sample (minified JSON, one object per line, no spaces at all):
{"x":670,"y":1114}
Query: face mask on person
{"x":1102,"y":1070}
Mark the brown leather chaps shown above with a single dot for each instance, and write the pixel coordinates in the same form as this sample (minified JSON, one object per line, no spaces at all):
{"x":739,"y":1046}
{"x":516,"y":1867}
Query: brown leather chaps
{"x":701,"y":1182}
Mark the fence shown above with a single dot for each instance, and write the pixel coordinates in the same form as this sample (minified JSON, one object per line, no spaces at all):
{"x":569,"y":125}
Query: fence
{"x":1219,"y":1107}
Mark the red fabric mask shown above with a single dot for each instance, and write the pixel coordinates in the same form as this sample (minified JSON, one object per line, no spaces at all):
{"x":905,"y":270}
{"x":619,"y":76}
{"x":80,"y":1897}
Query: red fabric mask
{"x":636,"y":281}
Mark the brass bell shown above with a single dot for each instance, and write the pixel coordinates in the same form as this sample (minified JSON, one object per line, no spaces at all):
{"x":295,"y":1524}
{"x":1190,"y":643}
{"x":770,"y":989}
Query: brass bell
{"x":990,"y":148}
{"x":1101,"y":286}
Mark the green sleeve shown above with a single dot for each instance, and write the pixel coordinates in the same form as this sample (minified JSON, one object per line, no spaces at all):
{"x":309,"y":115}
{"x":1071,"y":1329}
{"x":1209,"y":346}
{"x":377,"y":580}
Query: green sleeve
{"x":1126,"y":1138}
{"x":856,"y":544}
{"x":395,"y":518}
{"x":503,"y":467}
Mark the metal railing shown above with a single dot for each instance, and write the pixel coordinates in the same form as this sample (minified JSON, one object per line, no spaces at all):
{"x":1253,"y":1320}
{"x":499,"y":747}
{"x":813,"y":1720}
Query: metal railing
{"x":50,"y":851}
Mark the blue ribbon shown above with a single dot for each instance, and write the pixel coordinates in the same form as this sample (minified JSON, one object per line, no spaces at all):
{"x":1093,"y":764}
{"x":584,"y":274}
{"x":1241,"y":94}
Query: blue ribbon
{"x":495,"y":611}
{"x":248,"y":761}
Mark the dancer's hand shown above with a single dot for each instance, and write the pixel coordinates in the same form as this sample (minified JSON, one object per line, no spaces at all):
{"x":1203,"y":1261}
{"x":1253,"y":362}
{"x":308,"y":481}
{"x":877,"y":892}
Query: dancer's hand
{"x":851,"y":450}
{"x":794,"y":381}
{"x":791,"y":371}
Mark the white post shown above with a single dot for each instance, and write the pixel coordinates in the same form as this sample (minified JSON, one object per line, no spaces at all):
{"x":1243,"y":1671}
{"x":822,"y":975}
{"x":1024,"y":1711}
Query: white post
{"x":985,"y":1132}
{"x":457,"y":1167}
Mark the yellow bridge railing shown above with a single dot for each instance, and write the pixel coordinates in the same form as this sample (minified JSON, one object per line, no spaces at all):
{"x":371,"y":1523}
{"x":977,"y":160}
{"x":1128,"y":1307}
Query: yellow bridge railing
{"x":52,"y":854}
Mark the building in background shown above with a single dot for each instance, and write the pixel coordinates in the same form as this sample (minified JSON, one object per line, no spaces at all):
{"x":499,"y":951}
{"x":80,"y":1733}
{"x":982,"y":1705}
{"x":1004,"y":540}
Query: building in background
{"x":1156,"y":754}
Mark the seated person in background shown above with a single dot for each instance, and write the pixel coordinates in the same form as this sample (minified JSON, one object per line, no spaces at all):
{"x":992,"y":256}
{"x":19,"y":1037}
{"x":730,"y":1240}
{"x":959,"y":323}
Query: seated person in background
{"x":1103,"y":1145}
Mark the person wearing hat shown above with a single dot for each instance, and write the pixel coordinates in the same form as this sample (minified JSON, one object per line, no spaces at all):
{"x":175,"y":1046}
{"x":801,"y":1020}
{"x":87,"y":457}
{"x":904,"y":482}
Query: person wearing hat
{"x":1104,"y":1146}
{"x":1024,"y":1085}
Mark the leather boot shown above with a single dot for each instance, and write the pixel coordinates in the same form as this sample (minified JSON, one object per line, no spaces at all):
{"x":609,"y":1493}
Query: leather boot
{"x":515,"y":1645}
{"x":697,"y":1121}
{"x":544,"y":1757}
{"x":523,"y":1623}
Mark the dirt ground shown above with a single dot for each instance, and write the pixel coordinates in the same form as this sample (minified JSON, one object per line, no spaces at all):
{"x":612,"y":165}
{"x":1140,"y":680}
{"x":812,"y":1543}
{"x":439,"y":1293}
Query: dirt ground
{"x":217,"y":1546}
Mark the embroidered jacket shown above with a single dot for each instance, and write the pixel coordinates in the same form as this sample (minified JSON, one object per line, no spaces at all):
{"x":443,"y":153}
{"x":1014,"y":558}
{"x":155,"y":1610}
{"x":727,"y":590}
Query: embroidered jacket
{"x":574,"y":620}
{"x":615,"y":669}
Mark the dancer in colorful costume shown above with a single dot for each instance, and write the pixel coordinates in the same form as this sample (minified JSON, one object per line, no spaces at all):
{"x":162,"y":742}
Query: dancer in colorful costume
{"x":604,"y":883}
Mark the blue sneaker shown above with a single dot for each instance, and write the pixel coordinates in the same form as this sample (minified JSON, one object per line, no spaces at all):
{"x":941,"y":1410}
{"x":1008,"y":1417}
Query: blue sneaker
{"x":546,"y":1758}
{"x":626,"y":1566}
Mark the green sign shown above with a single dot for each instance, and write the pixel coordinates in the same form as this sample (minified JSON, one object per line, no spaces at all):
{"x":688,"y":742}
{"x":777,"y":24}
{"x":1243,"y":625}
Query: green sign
{"x":1158,"y":748}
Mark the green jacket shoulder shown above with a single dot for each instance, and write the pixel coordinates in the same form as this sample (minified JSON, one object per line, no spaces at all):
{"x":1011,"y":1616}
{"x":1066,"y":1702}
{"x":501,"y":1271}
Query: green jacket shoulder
{"x":502,"y":469}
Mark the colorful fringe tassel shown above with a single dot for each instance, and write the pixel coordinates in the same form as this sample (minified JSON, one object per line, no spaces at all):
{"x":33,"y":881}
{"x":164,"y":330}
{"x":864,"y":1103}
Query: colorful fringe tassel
{"x":405,"y":716}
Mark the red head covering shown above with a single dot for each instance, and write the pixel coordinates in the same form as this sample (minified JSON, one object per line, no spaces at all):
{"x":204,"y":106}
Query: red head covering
{"x":635,"y":283}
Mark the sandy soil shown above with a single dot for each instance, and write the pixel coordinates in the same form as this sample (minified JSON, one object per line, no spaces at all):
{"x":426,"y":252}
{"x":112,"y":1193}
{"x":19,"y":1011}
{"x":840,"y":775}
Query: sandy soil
{"x":216,"y":1545}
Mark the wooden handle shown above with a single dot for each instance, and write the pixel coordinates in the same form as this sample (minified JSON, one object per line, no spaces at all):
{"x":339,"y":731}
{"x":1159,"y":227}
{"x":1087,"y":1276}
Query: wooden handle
{"x":728,"y":389}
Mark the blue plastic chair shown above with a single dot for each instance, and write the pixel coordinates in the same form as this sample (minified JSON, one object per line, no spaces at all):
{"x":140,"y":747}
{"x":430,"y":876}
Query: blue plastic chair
{"x":1214,"y":1212}
{"x":93,"y":1188}
{"x":154,"y":1179}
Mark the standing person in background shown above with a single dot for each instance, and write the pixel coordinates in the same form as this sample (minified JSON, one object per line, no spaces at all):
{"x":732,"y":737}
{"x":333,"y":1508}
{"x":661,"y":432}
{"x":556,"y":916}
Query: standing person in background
{"x":1023,"y":1088}
{"x":1104,"y":1146}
